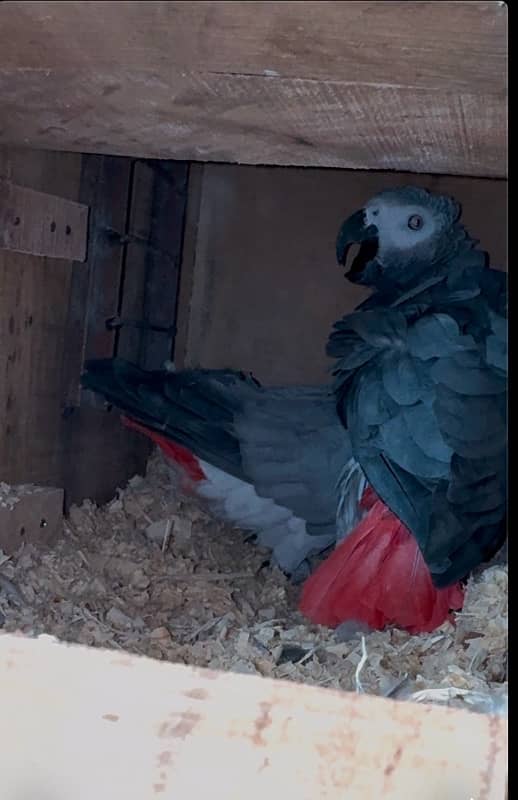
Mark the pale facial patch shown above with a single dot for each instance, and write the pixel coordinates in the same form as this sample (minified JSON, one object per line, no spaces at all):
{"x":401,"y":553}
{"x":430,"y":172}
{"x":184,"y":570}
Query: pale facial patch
{"x":394,"y":231}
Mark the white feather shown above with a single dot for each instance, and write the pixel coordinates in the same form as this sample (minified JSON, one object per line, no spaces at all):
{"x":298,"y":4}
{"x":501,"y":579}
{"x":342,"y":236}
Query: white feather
{"x":230,"y":499}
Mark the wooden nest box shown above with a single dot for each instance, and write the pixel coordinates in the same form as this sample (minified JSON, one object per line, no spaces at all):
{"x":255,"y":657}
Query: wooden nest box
{"x":143,"y":213}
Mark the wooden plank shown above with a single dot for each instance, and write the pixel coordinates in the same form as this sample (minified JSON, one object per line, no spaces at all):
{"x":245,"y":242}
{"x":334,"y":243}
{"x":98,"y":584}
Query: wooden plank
{"x":152,"y":263}
{"x":260,"y":284}
{"x":400,"y":86}
{"x":94,"y":292}
{"x":42,"y":224}
{"x":33,"y":310}
{"x":33,"y":307}
{"x":98,"y":454}
{"x":109,"y":220}
{"x":419,"y":44}
{"x":254,"y":120}
{"x":43,"y":343}
{"x":129,"y":338}
{"x":189,"y":266}
{"x":162,"y":283}
{"x":155,"y":729}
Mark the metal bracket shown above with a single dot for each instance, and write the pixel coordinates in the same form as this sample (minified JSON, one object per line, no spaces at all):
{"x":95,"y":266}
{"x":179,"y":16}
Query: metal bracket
{"x":131,"y":238}
{"x":116,"y":323}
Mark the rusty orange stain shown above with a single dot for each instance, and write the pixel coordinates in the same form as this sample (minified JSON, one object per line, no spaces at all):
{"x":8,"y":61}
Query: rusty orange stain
{"x":187,"y":721}
{"x":486,"y":774}
{"x":163,"y":729}
{"x":122,"y":662}
{"x":186,"y":725}
{"x":206,"y":674}
{"x":261,"y":723}
{"x":165,"y":758}
{"x":396,"y":758}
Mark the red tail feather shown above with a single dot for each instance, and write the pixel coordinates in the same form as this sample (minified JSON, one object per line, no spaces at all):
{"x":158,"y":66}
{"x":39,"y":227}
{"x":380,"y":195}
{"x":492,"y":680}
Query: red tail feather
{"x":180,"y":455}
{"x":378,"y":576}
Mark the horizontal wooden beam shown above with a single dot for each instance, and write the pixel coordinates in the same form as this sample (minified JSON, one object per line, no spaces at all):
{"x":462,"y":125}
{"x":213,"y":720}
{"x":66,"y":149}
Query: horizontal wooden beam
{"x":434,"y":45}
{"x":84,"y":723}
{"x":400,"y":85}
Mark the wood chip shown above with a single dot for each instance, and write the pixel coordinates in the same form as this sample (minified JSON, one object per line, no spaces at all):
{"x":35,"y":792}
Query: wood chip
{"x":206,"y":601}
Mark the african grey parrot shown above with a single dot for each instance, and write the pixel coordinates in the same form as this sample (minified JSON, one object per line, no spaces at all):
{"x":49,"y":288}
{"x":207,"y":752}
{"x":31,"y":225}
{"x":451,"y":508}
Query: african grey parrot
{"x":421,"y":385}
{"x":402,"y":462}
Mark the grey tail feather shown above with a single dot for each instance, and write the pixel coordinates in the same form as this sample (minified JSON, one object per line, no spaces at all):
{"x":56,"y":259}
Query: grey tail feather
{"x":351,"y":486}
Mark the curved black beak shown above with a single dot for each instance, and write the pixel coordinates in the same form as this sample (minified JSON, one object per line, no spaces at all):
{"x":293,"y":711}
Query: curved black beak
{"x":353,"y":231}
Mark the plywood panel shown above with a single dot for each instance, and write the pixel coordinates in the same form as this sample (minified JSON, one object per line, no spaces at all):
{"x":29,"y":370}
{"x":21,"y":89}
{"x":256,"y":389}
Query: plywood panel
{"x":260,"y":283}
{"x":400,"y":85}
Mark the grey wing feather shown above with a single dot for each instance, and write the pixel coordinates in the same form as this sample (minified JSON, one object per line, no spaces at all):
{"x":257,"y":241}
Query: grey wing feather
{"x":404,"y":379}
{"x":438,"y":459}
{"x":293,"y":449}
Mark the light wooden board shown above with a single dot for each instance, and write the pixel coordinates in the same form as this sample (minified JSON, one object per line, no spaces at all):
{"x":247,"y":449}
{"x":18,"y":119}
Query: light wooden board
{"x":397,"y":85}
{"x":100,"y":724}
{"x":42,"y":224}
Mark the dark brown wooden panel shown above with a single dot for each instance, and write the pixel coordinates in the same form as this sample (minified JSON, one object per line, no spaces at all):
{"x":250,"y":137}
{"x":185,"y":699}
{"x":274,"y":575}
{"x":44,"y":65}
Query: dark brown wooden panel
{"x":260,"y":284}
{"x":44,"y":337}
{"x":95,"y":286}
{"x":33,"y":309}
{"x":152,"y":263}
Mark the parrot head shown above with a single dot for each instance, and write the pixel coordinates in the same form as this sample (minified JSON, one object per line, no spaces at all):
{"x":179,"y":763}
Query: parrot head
{"x":402,"y":233}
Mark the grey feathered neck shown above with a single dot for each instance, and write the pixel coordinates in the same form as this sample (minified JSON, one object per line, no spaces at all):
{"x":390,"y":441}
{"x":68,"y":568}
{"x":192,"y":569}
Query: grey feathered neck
{"x":455,"y":255}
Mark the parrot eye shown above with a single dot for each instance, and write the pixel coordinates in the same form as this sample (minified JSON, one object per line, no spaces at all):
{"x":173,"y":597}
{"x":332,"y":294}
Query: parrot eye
{"x":415,"y":222}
